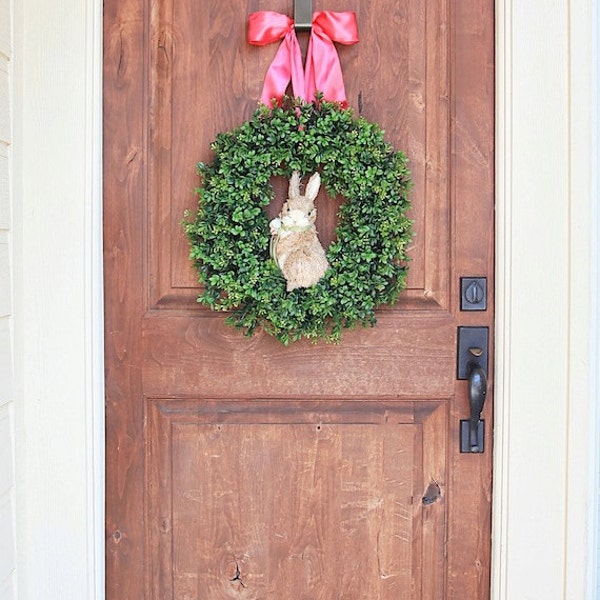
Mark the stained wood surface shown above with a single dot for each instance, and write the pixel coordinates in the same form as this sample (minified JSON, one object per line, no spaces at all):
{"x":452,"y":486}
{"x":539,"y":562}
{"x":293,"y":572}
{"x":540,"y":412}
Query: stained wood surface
{"x":314,"y":503}
{"x":237,"y":468}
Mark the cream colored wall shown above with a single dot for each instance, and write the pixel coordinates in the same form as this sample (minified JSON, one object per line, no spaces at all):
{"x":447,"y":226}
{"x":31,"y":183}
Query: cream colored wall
{"x":544,"y":466}
{"x":8,"y":560}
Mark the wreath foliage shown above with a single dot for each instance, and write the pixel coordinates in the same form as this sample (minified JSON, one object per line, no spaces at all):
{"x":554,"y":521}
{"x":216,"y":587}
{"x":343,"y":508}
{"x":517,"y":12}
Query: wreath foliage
{"x":229,"y":234}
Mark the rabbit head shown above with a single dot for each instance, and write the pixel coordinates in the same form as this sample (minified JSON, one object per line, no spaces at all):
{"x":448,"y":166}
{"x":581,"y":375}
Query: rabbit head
{"x":299,"y":209}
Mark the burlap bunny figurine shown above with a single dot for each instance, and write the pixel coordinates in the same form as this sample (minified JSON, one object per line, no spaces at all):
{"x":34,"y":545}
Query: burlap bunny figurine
{"x":295,"y":246}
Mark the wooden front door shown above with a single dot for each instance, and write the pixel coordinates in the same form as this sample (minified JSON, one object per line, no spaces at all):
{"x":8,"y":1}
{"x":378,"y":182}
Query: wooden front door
{"x":240,"y":468}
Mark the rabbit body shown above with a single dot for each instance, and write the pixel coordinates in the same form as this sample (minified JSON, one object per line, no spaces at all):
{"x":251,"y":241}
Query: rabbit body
{"x":295,"y":246}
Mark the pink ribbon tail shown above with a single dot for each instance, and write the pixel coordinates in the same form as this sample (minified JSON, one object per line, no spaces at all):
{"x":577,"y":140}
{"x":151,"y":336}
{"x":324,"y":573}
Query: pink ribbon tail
{"x":323,"y":70}
{"x":267,"y":27}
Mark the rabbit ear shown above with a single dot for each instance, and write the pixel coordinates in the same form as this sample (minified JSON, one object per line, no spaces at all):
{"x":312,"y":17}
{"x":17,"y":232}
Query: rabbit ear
{"x":294,"y":188}
{"x":312,"y":187}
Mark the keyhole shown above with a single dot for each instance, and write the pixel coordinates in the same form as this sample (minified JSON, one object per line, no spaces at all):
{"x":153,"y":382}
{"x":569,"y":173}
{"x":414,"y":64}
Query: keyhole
{"x":474,"y":293}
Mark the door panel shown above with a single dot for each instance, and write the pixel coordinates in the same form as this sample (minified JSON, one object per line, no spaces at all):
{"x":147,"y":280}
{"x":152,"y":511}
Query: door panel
{"x":237,"y":467}
{"x":205,"y":78}
{"x":320,"y":500}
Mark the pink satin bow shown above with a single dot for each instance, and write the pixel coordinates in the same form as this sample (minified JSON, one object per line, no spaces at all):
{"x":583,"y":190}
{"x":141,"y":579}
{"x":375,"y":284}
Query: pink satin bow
{"x":264,"y":28}
{"x":323,"y":69}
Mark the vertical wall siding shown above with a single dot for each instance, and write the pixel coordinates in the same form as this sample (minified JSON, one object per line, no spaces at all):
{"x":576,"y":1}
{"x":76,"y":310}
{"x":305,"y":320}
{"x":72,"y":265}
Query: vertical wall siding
{"x":7,"y":492}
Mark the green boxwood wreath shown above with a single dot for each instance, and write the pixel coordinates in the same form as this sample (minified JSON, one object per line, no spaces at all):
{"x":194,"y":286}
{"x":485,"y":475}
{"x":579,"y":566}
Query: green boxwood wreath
{"x":229,"y":235}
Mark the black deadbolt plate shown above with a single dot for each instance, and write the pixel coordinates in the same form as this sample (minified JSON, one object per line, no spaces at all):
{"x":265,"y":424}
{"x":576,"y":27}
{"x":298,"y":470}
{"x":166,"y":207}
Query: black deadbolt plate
{"x":473,"y":293}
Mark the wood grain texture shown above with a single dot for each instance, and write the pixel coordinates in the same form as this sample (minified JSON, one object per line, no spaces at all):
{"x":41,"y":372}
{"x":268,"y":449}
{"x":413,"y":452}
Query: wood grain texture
{"x":472,"y":182}
{"x":196,"y":50}
{"x":405,"y":358}
{"x":124,"y":170}
{"x":317,"y":503}
{"x":241,"y":468}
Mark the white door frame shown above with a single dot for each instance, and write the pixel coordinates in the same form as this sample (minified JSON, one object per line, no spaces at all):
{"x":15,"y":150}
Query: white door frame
{"x":545,"y":467}
{"x":545,"y":415}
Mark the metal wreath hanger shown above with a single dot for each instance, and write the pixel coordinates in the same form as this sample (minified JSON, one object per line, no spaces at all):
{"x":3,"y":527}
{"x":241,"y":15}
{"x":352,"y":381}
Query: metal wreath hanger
{"x":303,"y":15}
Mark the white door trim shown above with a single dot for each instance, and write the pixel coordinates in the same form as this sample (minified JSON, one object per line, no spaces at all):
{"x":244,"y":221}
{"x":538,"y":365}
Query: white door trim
{"x":58,"y":345}
{"x":544,"y":467}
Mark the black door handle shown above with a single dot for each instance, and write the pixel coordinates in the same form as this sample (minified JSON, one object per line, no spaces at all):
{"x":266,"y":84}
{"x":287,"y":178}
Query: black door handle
{"x":477,"y":388}
{"x":472,"y":359}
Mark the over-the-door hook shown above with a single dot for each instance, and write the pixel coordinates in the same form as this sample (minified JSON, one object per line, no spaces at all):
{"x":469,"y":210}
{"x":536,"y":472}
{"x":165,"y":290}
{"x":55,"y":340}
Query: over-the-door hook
{"x":303,"y":15}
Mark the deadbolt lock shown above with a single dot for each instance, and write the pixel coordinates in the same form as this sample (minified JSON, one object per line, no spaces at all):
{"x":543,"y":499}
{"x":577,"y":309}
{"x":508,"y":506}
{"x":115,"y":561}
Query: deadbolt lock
{"x":473,"y":293}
